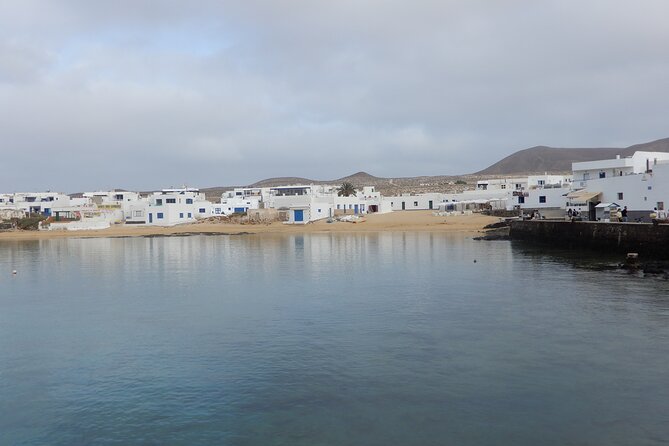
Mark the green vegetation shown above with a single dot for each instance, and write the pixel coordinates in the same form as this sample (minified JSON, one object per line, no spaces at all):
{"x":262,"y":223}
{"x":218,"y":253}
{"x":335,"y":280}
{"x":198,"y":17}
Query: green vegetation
{"x":28,"y":223}
{"x":461,"y":182}
{"x":346,"y":190}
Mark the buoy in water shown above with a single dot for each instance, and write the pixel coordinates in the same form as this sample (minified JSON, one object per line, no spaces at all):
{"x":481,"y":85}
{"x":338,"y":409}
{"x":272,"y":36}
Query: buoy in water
{"x":13,"y":272}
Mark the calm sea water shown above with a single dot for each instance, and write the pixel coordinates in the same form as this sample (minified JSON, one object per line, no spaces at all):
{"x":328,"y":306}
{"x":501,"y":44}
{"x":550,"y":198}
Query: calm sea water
{"x":370,"y":339}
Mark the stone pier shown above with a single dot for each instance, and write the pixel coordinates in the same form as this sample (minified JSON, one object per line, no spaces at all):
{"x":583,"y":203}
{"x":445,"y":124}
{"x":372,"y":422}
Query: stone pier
{"x":644,"y":238}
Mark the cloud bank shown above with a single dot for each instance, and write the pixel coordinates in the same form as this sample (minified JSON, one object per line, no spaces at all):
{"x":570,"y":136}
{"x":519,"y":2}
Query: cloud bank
{"x":143,"y":95}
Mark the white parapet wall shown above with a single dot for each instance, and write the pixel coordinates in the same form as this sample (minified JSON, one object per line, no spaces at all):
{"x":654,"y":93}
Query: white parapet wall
{"x":81,"y":225}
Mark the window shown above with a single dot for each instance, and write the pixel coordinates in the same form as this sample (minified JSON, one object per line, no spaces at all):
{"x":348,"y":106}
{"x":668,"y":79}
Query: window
{"x":170,"y":200}
{"x":189,"y":201}
{"x":159,"y":202}
{"x":542,"y":198}
{"x":319,"y":211}
{"x":415,"y":204}
{"x":339,"y":206}
{"x":159,"y":215}
{"x":660,"y":205}
{"x":602,"y":174}
{"x":620,"y":195}
{"x":181,"y":215}
{"x":541,"y":182}
{"x":190,"y":215}
{"x":202,"y":210}
{"x":138,"y":213}
{"x":521,"y":200}
{"x":650,"y":187}
{"x":502,"y":186}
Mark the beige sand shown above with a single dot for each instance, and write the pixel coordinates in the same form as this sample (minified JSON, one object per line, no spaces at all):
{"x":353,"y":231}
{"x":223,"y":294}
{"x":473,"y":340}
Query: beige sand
{"x":395,"y":221}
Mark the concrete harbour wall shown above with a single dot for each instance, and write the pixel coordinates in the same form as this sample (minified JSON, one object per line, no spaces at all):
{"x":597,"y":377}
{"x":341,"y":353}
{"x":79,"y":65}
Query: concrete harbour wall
{"x":646,"y":239}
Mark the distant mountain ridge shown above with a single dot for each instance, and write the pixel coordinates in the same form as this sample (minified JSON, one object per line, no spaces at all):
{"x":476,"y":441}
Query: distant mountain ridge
{"x":550,"y":159}
{"x":356,"y":178}
{"x":535,"y":160}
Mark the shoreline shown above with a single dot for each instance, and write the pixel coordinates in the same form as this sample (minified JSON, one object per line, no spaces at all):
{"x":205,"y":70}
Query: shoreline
{"x":399,"y":221}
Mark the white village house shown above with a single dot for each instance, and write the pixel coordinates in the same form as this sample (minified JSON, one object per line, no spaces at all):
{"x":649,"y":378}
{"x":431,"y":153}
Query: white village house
{"x":170,"y":207}
{"x":640,"y":182}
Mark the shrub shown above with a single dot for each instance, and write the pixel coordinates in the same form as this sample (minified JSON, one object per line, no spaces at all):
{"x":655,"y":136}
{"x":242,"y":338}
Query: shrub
{"x":29,"y":223}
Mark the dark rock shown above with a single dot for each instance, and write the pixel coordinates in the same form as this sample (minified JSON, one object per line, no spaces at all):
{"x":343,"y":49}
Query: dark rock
{"x":495,"y":234}
{"x":500,"y":224}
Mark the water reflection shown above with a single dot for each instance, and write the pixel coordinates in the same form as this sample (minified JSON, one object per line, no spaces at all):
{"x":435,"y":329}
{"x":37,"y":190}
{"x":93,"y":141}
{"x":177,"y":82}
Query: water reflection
{"x":385,"y":338}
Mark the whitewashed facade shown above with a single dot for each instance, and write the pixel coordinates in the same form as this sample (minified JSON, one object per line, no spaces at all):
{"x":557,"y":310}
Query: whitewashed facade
{"x":639,"y":182}
{"x":414,"y":202}
{"x":171,"y":207}
{"x":640,"y":162}
{"x":239,"y":200}
{"x":123,"y":200}
{"x":41,"y":203}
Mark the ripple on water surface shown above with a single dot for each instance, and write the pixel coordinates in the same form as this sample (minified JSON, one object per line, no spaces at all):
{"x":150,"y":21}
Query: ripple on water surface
{"x":390,"y":338}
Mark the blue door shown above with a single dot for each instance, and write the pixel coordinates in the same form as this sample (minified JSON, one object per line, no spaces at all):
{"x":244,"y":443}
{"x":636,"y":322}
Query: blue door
{"x":150,"y":218}
{"x":299,"y":215}
{"x":240,"y":210}
{"x":355,"y":209}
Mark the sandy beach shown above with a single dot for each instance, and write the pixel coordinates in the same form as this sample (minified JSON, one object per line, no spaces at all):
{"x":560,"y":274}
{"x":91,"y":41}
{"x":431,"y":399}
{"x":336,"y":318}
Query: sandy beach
{"x":395,"y":221}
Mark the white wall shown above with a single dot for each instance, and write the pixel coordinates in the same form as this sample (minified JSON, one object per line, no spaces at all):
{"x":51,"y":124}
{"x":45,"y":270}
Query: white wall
{"x":306,"y":214}
{"x":230,"y":204}
{"x":587,"y":171}
{"x":414,"y":202}
{"x":539,"y":199}
{"x":170,"y":208}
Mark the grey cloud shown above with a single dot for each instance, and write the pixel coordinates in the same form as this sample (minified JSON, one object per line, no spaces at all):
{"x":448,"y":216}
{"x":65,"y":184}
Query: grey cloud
{"x":140,"y":96}
{"x":20,"y":63}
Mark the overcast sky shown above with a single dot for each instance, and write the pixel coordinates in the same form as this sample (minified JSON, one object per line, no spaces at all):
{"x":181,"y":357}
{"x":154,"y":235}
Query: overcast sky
{"x":146,"y":94}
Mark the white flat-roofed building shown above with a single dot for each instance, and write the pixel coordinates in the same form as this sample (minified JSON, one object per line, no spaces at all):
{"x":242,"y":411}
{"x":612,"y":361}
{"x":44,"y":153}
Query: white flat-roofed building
{"x":115,"y":199}
{"x":640,"y":192}
{"x":639,"y":162}
{"x":548,"y":181}
{"x":171,"y":207}
{"x":307,"y":203}
{"x":238,"y":200}
{"x":43,"y":203}
{"x":501,"y":184}
{"x":414,"y":202}
{"x":535,"y":192}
